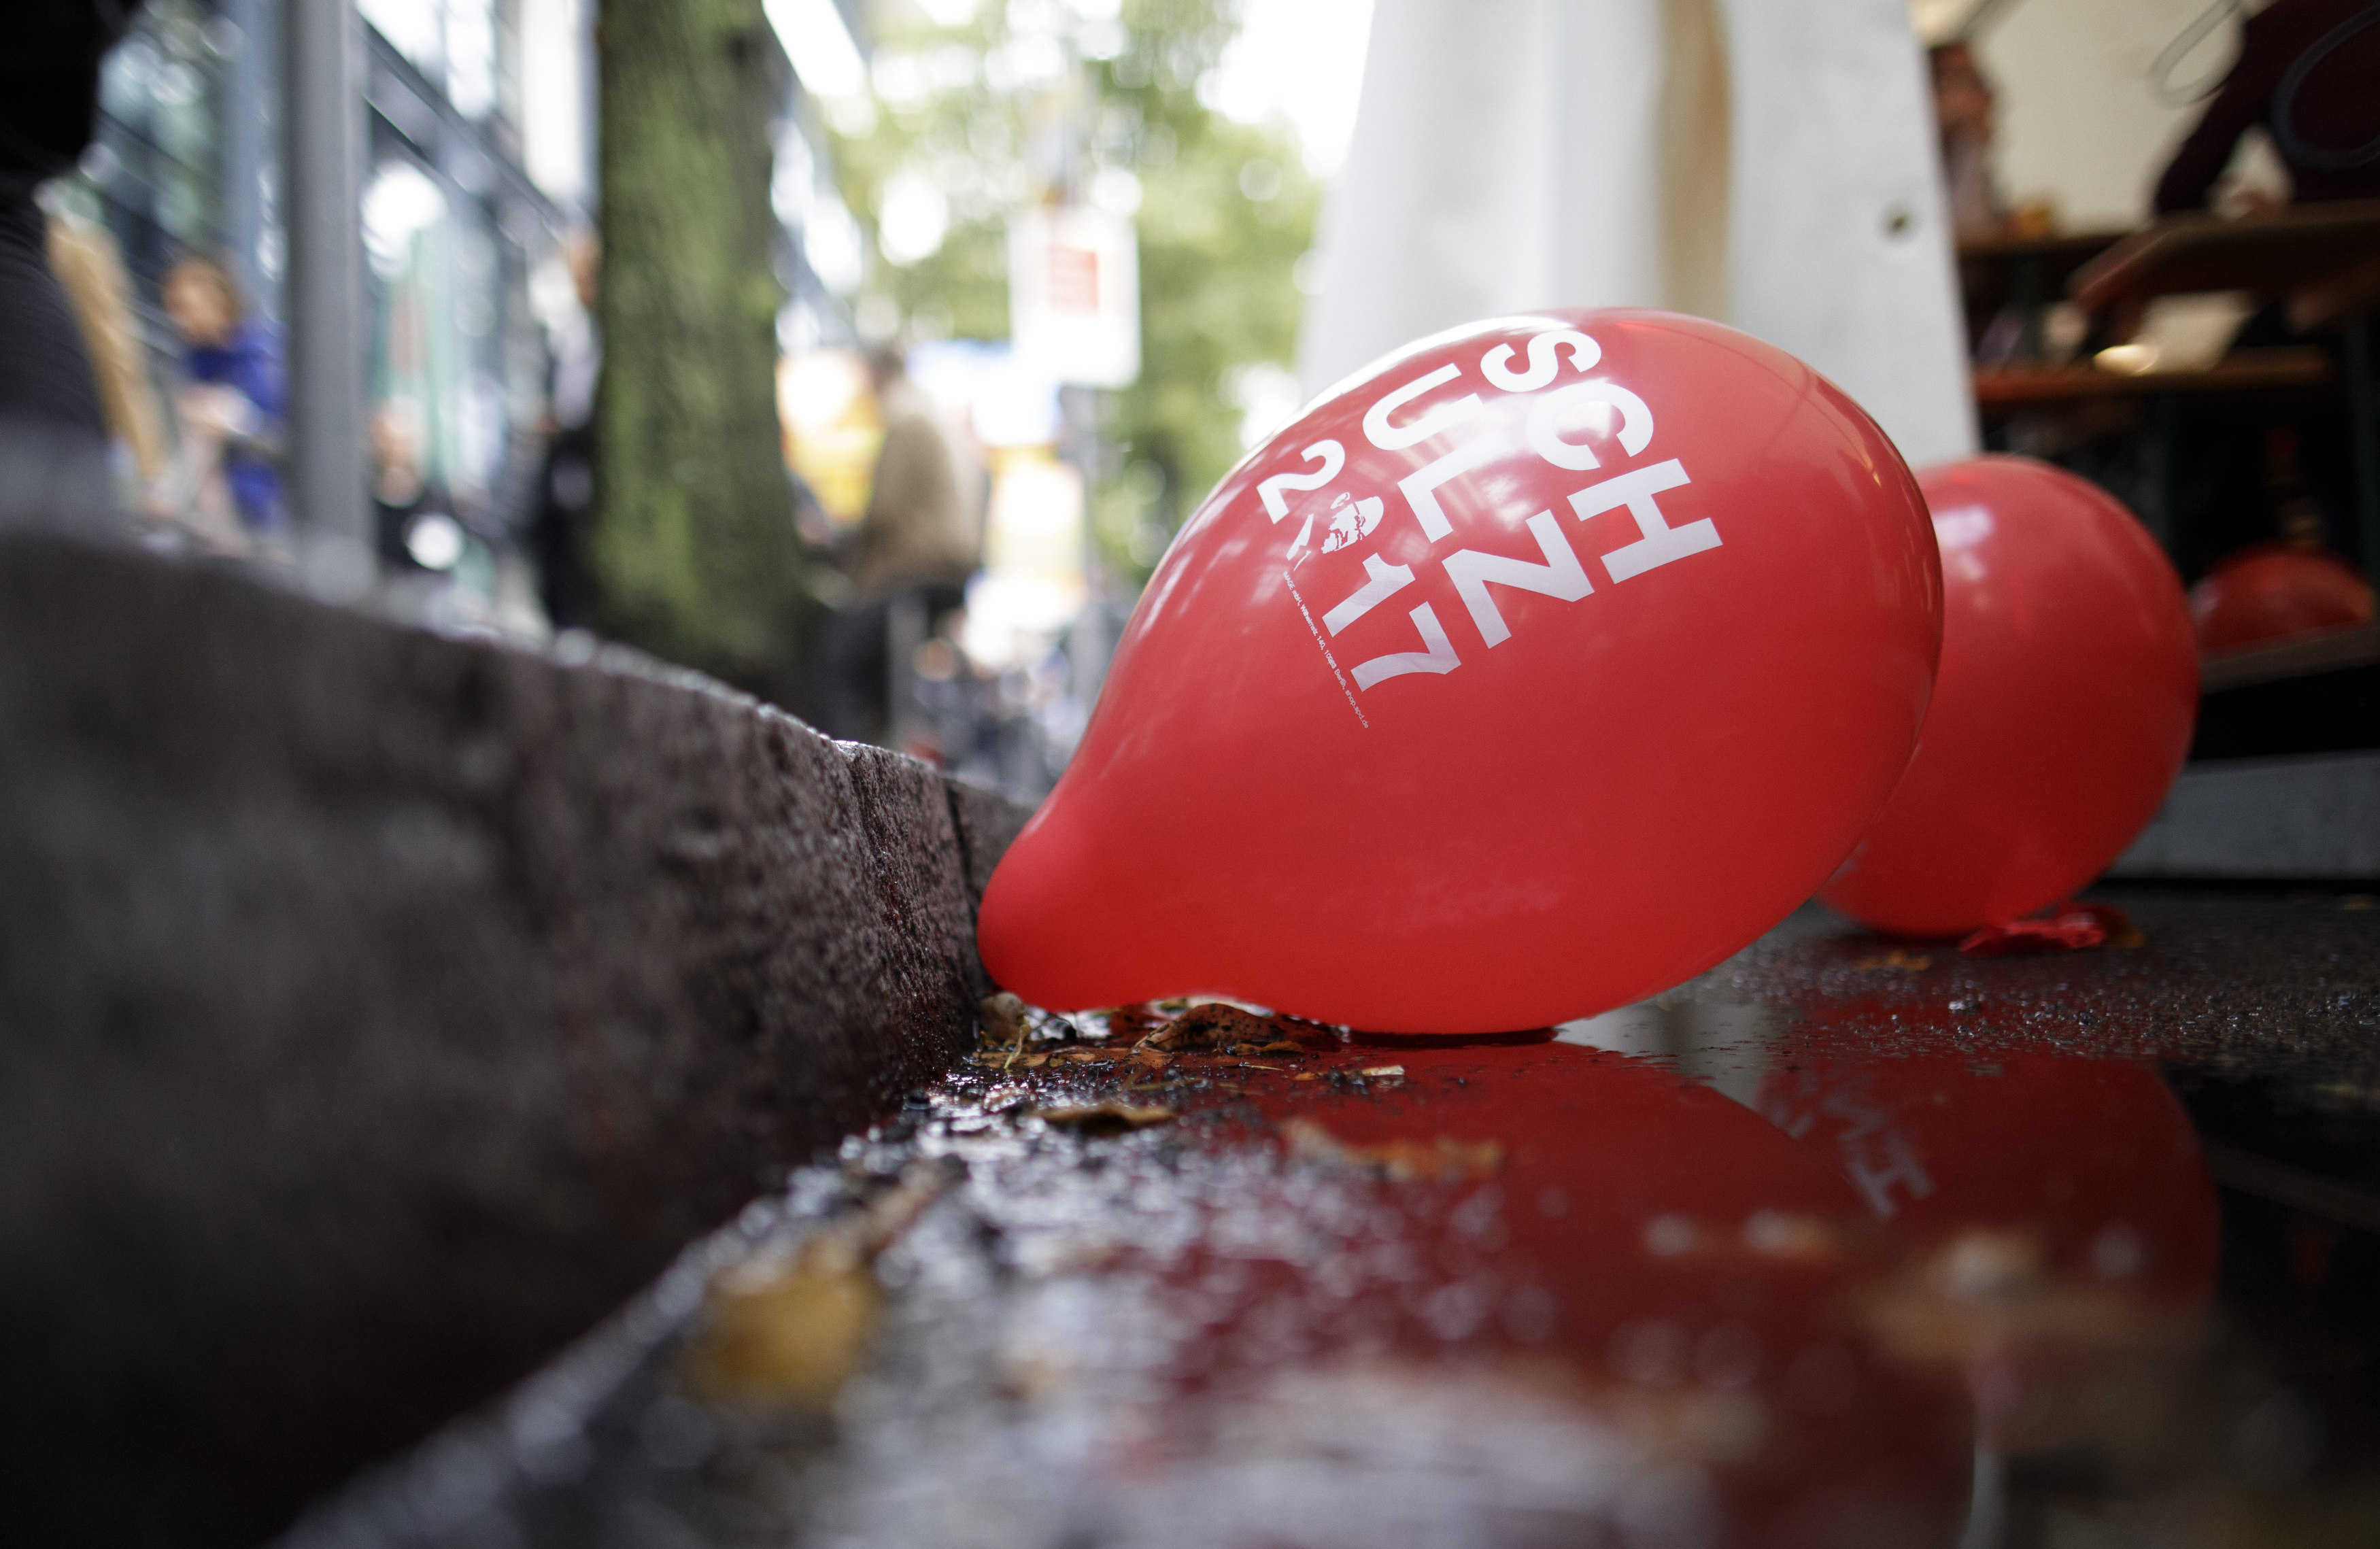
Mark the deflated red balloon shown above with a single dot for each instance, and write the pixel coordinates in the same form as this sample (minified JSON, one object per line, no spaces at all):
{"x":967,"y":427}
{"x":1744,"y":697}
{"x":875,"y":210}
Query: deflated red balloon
{"x":1535,"y":669}
{"x":2062,"y":713}
{"x":2277,"y":591}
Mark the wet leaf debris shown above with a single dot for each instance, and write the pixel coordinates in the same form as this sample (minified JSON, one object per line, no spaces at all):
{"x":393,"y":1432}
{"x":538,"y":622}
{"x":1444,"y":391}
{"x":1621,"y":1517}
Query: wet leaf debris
{"x":1017,"y":1036}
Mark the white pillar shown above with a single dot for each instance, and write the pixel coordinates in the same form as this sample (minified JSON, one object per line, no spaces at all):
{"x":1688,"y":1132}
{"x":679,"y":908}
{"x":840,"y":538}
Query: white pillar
{"x":1508,"y":155}
{"x":1840,"y":247}
{"x":1769,"y":163}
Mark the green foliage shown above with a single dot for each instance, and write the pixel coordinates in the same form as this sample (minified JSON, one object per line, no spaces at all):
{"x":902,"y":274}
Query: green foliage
{"x":1226,"y":211}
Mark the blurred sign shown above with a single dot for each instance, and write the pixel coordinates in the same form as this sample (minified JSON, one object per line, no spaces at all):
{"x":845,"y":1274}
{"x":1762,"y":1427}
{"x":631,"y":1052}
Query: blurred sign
{"x":830,"y":428}
{"x":1073,"y":295}
{"x":1032,"y":583}
{"x":1005,"y":402}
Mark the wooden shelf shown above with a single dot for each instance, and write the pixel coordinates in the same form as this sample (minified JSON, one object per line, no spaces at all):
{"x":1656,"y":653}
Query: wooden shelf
{"x":2302,"y":658}
{"x":2270,"y":255}
{"x":2294,"y":368}
{"x":1990,"y":272}
{"x":2071,"y":247}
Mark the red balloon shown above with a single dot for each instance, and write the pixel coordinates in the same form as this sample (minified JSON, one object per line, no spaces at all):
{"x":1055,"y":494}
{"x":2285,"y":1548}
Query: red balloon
{"x":2062,"y":713}
{"x":1540,"y":666}
{"x":2274,"y":591}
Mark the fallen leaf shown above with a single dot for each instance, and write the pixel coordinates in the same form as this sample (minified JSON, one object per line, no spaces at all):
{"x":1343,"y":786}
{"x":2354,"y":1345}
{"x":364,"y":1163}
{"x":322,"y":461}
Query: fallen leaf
{"x":1109,"y":1118}
{"x":1003,"y":1016}
{"x":1400,"y":1161}
{"x":790,"y":1328}
{"x":1210,"y":1027}
{"x":1217,"y":1027}
{"x":795,"y":1340}
{"x":1081,"y":1055}
{"x":1132,"y":1021}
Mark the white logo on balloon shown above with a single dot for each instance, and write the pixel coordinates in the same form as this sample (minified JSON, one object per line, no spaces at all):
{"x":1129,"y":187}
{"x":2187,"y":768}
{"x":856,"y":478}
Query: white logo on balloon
{"x":1555,"y":429}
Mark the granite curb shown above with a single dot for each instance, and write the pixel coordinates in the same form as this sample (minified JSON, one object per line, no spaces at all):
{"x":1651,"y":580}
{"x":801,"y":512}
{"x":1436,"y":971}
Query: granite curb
{"x":380,"y":1009}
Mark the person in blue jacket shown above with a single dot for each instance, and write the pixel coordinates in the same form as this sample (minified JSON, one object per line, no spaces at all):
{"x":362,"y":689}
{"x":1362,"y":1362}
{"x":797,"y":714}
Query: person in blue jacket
{"x":238,"y":394}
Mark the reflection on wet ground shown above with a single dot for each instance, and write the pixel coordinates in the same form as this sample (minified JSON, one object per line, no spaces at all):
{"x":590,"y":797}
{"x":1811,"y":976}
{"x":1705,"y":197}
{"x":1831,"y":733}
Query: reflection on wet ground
{"x":1849,"y":1242}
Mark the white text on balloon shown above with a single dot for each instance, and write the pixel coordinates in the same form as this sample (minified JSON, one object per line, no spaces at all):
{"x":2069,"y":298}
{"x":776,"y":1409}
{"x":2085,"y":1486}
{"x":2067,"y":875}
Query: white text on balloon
{"x":1435,"y":418}
{"x":1333,"y":457}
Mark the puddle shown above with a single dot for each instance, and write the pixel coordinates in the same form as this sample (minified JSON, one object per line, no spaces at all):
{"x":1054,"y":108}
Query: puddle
{"x":1849,"y":1243}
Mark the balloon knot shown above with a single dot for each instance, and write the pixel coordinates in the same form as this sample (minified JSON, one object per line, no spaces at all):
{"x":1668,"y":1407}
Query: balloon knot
{"x":2067,"y":927}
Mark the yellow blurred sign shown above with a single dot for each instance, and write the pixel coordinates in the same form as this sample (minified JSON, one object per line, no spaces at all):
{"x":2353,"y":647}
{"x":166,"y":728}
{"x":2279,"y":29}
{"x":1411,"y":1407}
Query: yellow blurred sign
{"x":832,"y":429}
{"x":1033,"y":582}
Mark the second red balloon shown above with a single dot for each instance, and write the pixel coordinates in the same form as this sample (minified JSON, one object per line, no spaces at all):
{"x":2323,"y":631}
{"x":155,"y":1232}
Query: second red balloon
{"x":2064,"y":708}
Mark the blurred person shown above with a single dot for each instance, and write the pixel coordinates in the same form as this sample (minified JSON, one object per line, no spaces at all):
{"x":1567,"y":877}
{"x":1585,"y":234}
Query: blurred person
{"x":1965,"y":118}
{"x":566,"y":486}
{"x":53,"y":461}
{"x":232,"y":404}
{"x":415,"y":524}
{"x":2309,"y":71}
{"x":920,"y":538}
{"x":87,"y":263}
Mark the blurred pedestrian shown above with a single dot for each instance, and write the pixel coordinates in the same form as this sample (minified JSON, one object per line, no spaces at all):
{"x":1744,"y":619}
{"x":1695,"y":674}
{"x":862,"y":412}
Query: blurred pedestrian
{"x":1965,"y":116}
{"x":87,"y":261}
{"x":2309,"y":71}
{"x":53,"y":463}
{"x":233,"y":400}
{"x":415,"y":524}
{"x":565,"y":487}
{"x":920,"y":539}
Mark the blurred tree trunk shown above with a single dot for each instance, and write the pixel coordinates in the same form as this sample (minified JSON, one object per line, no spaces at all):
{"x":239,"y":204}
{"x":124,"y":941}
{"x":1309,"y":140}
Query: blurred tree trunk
{"x":693,"y":551}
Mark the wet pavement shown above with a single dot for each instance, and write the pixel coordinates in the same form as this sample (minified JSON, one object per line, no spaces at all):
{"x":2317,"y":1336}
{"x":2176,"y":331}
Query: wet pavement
{"x":1849,"y":1242}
